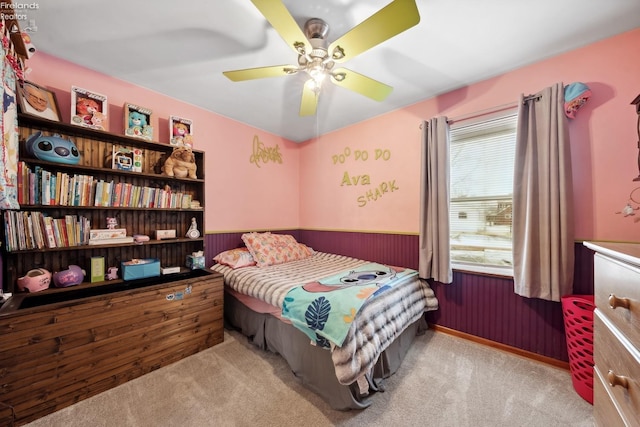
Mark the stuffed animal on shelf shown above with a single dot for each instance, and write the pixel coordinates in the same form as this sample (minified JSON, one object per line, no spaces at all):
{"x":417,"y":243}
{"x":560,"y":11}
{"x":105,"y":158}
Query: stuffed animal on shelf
{"x":112,"y":273}
{"x":112,"y":223}
{"x":52,"y":148}
{"x":138,"y":125}
{"x":137,"y":119}
{"x":86,"y":108}
{"x":181,"y":163}
{"x":181,"y":135}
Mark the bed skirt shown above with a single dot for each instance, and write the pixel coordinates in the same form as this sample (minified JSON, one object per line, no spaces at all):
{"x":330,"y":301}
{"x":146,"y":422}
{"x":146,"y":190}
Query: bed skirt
{"x":313,"y":365}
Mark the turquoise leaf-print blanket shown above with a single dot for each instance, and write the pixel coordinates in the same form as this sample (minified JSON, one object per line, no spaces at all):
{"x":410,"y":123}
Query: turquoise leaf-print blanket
{"x":325,"y":309}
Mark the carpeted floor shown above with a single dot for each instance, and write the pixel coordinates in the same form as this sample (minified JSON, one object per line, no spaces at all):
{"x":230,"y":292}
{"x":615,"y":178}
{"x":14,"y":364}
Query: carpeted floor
{"x":443,"y":381}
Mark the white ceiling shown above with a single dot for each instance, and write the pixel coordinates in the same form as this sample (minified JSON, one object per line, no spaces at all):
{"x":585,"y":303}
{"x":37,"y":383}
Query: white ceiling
{"x":181,"y":48}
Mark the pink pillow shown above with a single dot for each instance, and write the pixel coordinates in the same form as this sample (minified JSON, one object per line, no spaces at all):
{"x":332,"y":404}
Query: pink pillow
{"x":235,"y":258}
{"x":271,"y":249}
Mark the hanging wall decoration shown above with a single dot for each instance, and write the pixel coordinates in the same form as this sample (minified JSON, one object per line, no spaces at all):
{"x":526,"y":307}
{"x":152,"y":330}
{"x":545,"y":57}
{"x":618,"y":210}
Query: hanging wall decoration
{"x":575,"y":96}
{"x":11,"y":70}
{"x":632,"y":206}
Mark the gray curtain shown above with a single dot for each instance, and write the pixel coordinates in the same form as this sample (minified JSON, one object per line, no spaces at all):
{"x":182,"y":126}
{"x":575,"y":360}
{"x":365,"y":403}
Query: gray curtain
{"x":543,"y":235}
{"x":434,"y":258}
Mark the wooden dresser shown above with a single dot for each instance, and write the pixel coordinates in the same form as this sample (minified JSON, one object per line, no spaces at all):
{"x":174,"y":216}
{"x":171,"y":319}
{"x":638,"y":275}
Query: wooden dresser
{"x":616,"y":334}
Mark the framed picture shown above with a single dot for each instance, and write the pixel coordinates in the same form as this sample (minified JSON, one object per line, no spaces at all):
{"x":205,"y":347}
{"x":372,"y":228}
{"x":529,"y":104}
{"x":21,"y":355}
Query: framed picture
{"x":181,"y":131}
{"x":88,"y":109}
{"x":38,"y":101}
{"x":137,"y":121}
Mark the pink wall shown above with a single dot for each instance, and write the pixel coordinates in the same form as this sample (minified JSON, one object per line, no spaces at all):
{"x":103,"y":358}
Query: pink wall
{"x":315,"y":188}
{"x":237,"y":189}
{"x":603,"y":135}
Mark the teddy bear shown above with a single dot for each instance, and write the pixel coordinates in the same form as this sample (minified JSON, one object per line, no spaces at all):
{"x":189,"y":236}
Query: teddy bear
{"x":86,"y":108}
{"x":181,"y":135}
{"x":137,"y":119}
{"x":181,"y":163}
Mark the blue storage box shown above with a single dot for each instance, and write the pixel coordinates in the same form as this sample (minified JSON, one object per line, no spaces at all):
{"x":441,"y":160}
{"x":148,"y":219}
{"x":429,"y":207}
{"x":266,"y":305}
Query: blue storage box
{"x":195,"y":262}
{"x":140,"y":268}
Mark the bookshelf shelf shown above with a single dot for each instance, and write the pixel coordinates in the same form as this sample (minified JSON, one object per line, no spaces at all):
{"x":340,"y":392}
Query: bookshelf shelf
{"x":86,"y":194}
{"x":119,"y":245}
{"x":102,"y":208}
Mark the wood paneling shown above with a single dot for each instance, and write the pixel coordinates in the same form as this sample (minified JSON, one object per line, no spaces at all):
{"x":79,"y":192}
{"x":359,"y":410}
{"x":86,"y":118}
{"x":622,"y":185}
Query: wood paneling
{"x":480,"y":305}
{"x":58,"y":354}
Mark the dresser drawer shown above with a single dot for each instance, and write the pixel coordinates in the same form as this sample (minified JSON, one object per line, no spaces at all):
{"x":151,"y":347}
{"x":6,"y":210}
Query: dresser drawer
{"x":618,"y":283}
{"x":605,"y":412}
{"x":615,"y":355}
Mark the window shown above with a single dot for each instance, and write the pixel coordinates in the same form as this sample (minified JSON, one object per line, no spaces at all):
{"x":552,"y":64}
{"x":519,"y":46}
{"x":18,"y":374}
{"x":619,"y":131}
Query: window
{"x":482,"y":158}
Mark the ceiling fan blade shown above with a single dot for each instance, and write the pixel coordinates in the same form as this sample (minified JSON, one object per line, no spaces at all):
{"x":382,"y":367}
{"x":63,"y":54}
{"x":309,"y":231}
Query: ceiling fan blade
{"x":391,"y":20}
{"x":260,"y":72}
{"x":309,"y":101}
{"x":281,"y":20}
{"x":361,"y":84}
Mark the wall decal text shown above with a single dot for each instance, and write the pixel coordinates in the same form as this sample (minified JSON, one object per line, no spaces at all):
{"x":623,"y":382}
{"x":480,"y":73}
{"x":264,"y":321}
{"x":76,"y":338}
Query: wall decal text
{"x":349,"y":179}
{"x":264,"y":154}
{"x":362,"y":155}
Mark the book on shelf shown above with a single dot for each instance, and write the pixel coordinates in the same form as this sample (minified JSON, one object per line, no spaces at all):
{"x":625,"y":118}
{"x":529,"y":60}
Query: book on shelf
{"x":112,"y":241}
{"x":33,"y":230}
{"x":48,"y":231}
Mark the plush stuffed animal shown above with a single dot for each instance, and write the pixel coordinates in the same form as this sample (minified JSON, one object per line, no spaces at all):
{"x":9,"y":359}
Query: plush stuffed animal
{"x":86,"y":108}
{"x":137,"y":119}
{"x":97,"y":120}
{"x":181,"y":163}
{"x":181,"y":135}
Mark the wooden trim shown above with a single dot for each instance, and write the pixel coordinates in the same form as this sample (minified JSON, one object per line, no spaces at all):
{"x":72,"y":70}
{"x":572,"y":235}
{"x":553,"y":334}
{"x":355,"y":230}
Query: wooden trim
{"x":503,"y":347}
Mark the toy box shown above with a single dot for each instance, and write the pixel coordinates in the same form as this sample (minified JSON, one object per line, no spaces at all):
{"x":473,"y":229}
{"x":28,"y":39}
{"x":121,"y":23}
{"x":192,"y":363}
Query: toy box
{"x":195,"y":262}
{"x":140,"y":268}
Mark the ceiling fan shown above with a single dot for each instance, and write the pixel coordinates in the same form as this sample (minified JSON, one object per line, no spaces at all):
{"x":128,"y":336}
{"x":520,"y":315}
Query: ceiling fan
{"x":318,"y":59}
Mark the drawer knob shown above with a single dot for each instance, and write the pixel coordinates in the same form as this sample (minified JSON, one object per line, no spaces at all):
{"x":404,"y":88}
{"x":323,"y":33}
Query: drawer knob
{"x":615,"y":380}
{"x":615,"y":302}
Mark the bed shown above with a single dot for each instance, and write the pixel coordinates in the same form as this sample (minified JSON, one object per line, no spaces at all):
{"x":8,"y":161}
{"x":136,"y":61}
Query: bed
{"x":345,"y":365}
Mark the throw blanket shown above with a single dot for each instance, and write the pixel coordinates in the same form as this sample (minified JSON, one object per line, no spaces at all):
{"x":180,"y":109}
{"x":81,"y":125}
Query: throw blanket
{"x":380,"y":321}
{"x":325,"y":309}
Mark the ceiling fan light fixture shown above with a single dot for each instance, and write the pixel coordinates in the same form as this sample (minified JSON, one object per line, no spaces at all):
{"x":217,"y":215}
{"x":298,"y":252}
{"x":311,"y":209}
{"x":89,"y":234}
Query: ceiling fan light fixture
{"x":316,"y":28}
{"x":339,"y":76}
{"x":318,"y":73}
{"x":337,"y":54}
{"x":317,"y":57}
{"x":299,"y":47}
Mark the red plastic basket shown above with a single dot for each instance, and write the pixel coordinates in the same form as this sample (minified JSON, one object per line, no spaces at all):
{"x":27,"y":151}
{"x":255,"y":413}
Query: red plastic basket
{"x":577,"y":311}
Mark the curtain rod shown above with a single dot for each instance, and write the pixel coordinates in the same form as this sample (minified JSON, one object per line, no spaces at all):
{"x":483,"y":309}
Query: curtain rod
{"x":491,"y":110}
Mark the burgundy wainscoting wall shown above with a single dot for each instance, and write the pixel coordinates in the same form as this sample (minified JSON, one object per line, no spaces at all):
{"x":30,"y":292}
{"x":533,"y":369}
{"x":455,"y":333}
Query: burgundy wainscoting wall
{"x":480,"y":305}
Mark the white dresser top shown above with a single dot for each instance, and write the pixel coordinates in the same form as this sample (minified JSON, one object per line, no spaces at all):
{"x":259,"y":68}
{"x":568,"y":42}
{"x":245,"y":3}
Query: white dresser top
{"x":627,"y":252}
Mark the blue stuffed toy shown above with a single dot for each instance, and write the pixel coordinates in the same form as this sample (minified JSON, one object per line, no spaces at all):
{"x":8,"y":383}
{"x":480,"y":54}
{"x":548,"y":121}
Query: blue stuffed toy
{"x":52,"y":148}
{"x":137,"y":119}
{"x":139,"y":126}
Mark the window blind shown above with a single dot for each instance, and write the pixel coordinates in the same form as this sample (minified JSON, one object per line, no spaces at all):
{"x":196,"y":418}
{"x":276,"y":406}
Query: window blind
{"x":481,"y":189}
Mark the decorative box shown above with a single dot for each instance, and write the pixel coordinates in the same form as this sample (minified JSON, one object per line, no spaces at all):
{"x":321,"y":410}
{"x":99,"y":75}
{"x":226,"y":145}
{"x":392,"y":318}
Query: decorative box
{"x":195,"y":262}
{"x":140,"y":268}
{"x":97,"y":269}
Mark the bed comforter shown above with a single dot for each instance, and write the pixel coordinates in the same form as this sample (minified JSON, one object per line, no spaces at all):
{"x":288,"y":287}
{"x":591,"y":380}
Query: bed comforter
{"x":379,"y":321}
